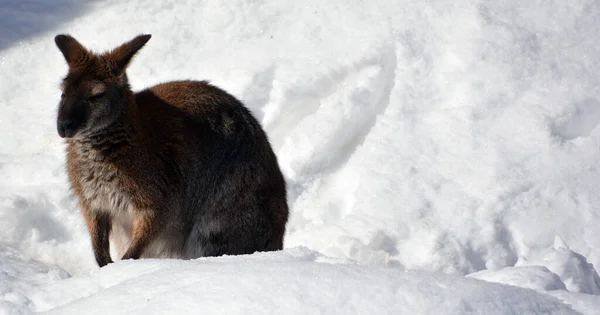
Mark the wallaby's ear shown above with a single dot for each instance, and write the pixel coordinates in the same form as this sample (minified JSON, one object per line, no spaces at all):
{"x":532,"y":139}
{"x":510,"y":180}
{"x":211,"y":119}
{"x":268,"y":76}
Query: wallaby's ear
{"x":73,"y":51}
{"x":123,"y":54}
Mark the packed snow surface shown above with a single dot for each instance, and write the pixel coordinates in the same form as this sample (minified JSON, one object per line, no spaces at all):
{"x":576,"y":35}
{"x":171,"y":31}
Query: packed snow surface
{"x":422,"y":141}
{"x":294,"y":282}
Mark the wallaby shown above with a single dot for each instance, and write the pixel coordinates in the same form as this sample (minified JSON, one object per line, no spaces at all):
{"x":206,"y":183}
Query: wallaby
{"x":179,"y":170}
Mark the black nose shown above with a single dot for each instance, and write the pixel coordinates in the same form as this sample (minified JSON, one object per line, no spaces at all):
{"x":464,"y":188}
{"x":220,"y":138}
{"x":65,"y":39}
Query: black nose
{"x":65,"y":128}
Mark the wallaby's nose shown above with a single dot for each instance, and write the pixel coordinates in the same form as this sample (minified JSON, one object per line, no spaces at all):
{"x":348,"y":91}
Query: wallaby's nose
{"x":65,"y":128}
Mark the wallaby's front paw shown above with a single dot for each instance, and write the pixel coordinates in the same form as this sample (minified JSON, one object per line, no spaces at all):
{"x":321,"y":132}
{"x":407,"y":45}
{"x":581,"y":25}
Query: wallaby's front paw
{"x":130,"y":255}
{"x":103,"y":263}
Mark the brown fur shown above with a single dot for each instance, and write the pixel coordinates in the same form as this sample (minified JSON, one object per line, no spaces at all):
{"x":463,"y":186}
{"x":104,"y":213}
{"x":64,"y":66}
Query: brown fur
{"x":179,"y":170}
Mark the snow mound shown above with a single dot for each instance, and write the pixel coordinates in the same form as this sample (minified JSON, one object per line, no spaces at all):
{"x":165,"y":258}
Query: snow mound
{"x":442,"y":136}
{"x":17,"y":280}
{"x":556,"y":268}
{"x":573,"y":268}
{"x":583,"y":303}
{"x":407,"y":139}
{"x":296,"y":281}
{"x":537,"y":278}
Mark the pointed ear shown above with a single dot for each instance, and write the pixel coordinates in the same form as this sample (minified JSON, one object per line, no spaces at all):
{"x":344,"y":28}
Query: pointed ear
{"x":123,"y":54}
{"x":71,"y":49}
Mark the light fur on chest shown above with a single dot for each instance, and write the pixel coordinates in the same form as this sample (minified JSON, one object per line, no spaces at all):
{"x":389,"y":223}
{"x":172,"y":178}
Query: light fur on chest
{"x":98,"y":180}
{"x":100,"y":189}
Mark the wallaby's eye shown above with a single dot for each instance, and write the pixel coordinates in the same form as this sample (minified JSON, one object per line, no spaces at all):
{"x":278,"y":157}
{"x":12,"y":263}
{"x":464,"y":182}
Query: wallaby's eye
{"x":95,"y":97}
{"x":62,"y":95}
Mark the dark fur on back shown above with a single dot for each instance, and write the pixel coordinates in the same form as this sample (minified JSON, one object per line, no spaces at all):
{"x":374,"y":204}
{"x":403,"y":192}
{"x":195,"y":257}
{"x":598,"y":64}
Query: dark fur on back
{"x":179,"y":170}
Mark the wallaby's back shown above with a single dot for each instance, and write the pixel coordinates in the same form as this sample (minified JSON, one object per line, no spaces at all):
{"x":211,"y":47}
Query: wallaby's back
{"x":231,"y":173}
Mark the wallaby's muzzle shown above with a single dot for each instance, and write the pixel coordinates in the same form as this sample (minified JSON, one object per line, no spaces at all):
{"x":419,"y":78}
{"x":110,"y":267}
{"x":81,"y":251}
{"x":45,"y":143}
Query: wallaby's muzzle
{"x":66,"y":128}
{"x":72,"y":116}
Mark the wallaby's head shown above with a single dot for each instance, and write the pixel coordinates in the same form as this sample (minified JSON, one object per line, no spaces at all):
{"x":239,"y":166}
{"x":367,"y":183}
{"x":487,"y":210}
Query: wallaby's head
{"x":95,"y":92}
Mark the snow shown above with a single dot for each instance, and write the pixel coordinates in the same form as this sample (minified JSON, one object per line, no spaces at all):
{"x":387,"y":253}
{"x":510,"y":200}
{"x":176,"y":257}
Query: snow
{"x":422,"y":142}
{"x":19,"y":278}
{"x":296,"y":281}
{"x":556,"y":268}
{"x":573,"y":268}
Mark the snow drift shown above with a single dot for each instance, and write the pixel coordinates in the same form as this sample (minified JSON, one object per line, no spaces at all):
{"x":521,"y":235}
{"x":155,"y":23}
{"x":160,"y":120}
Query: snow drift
{"x":296,"y":281}
{"x":453,"y":137}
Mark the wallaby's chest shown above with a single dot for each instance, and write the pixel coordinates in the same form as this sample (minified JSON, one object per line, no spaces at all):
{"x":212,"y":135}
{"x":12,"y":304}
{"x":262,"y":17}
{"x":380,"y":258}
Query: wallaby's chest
{"x":100,"y":184}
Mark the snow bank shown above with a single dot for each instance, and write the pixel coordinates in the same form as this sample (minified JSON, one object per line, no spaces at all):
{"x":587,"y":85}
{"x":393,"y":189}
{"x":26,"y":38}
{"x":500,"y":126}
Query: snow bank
{"x":430,"y":135}
{"x":559,"y":270}
{"x":555,"y":268}
{"x":296,"y":281}
{"x":407,"y":138}
{"x":537,"y":278}
{"x":573,"y":268}
{"x":18,"y":278}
